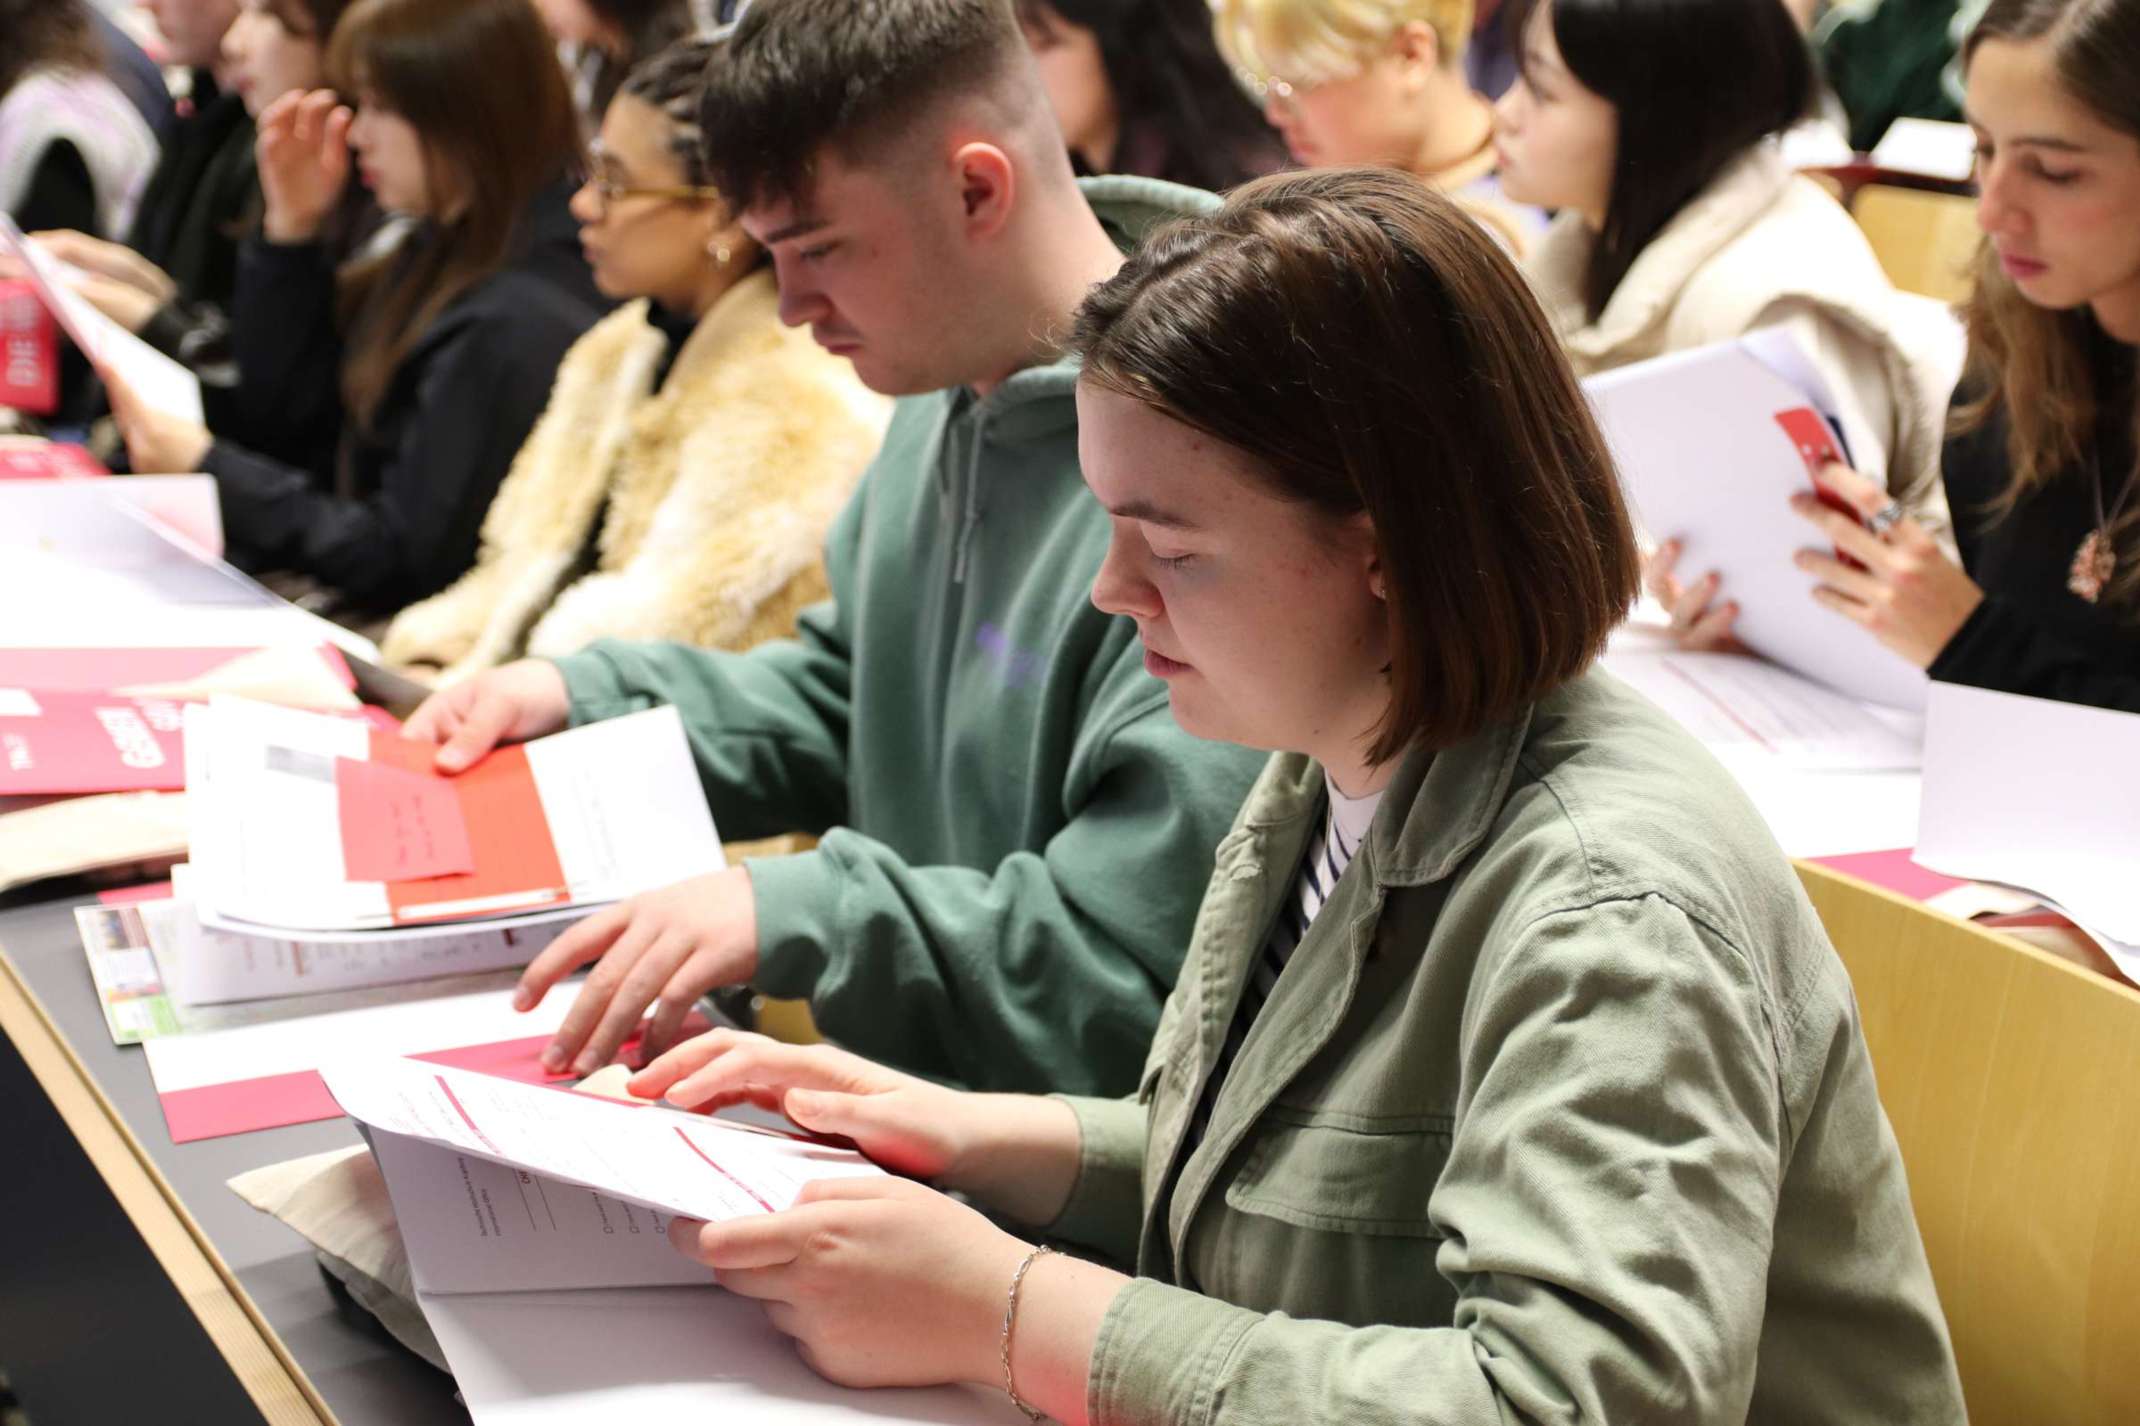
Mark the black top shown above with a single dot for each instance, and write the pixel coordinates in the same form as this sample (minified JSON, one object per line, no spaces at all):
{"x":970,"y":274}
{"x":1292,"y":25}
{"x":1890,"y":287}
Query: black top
{"x":202,"y":195}
{"x":2031,"y":635}
{"x":60,"y":194}
{"x":396,"y":516}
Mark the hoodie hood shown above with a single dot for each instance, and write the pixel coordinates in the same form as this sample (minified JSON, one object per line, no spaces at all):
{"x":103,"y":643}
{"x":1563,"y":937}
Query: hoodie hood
{"x":1037,"y":406}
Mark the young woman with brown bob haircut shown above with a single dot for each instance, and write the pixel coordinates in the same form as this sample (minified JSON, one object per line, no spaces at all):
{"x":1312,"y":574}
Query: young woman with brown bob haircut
{"x":432,"y":356}
{"x":1510,"y":1075}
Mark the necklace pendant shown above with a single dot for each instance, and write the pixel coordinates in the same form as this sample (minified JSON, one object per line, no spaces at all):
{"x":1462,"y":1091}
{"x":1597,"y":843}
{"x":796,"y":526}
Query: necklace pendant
{"x":2093,"y":565}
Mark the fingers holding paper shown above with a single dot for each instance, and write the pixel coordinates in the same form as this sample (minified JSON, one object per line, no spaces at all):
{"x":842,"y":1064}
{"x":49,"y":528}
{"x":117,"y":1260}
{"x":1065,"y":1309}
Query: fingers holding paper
{"x":157,"y":443}
{"x":659,"y":952}
{"x":1908,"y":593}
{"x":902,"y":1122}
{"x":880,"y":1281}
{"x":524,"y":699}
{"x":1699,"y":619}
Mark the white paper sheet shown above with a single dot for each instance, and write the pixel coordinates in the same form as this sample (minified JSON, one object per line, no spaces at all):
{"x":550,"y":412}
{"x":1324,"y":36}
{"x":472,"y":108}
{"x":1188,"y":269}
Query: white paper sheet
{"x":649,"y":1155}
{"x":1734,"y":704}
{"x":161,"y":383}
{"x":1703,"y":461}
{"x":657,"y":1354}
{"x":472,"y":1225}
{"x":1933,"y":147}
{"x":203,"y":965}
{"x":621,"y":799}
{"x":393,"y":1027}
{"x":2040,"y":795}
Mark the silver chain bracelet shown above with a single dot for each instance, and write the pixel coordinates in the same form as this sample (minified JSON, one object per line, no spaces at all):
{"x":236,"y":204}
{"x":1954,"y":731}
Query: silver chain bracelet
{"x":1010,"y":1315}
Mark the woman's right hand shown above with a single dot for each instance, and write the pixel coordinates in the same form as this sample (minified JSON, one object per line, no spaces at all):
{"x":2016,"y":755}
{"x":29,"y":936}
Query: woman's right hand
{"x":115,"y":262}
{"x":1699,"y":621}
{"x":906,"y":1124}
{"x":303,"y":153}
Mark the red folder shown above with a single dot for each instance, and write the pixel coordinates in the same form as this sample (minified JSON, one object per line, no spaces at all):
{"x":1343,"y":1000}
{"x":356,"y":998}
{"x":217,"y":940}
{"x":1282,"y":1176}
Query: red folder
{"x":516,"y":862}
{"x":53,"y":743}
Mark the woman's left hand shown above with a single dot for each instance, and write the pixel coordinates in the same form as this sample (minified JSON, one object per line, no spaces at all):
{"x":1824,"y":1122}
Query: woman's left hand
{"x":1909,"y":594}
{"x":157,"y":443}
{"x":880,"y":1281}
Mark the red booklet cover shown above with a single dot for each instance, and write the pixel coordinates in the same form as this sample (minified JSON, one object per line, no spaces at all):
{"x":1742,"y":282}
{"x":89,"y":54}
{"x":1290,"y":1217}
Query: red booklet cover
{"x":46,"y":460}
{"x":54,"y":743}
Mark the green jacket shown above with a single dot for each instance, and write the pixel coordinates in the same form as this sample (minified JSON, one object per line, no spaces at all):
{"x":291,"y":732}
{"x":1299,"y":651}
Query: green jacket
{"x":1561,"y":1112}
{"x":1017,"y":829}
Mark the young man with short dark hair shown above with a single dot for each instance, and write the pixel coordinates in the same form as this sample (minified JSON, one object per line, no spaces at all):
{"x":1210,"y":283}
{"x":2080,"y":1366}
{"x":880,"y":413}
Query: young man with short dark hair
{"x":1014,"y":830}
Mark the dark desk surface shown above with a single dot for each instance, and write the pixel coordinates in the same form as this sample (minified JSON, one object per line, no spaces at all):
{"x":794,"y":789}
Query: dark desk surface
{"x":362,"y":1377}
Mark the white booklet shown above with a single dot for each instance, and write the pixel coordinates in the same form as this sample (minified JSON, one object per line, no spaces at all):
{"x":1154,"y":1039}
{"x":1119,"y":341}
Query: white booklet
{"x":305,"y":825}
{"x":1747,"y":708}
{"x":161,"y":383}
{"x":1711,"y":444}
{"x":536,"y":1225}
{"x":2039,"y":795}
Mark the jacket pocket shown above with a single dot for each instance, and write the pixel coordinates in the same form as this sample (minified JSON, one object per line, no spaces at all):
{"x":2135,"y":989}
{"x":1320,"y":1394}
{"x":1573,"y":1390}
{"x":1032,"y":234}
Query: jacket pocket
{"x":1340,"y":1178}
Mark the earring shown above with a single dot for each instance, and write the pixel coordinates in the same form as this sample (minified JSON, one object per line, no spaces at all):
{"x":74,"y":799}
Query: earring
{"x":720,"y":252}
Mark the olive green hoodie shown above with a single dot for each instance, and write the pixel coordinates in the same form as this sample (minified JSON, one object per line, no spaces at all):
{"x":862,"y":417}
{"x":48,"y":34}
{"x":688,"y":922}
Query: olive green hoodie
{"x":1015,"y":834}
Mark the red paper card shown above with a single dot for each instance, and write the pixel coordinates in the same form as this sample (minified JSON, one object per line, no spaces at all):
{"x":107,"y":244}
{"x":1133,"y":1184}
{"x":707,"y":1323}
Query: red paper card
{"x":517,"y":867}
{"x":399,"y":825}
{"x":61,"y":743}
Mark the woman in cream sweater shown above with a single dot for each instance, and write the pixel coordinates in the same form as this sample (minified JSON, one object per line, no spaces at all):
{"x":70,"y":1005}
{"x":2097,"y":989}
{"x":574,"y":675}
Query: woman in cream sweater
{"x":694,"y":450}
{"x":1681,"y":225}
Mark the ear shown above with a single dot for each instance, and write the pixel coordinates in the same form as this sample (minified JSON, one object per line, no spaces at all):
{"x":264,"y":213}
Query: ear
{"x":1365,"y":552}
{"x":1418,"y":49}
{"x":988,"y":188}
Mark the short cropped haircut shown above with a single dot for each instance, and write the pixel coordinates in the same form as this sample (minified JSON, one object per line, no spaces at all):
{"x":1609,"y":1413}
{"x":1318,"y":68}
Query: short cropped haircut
{"x":1315,"y":41}
{"x":1697,"y":83}
{"x":1371,"y":349}
{"x":846,"y":77}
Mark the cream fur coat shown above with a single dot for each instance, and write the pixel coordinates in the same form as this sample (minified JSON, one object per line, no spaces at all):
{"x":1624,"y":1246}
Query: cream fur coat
{"x":1762,"y":246}
{"x":719,"y":490}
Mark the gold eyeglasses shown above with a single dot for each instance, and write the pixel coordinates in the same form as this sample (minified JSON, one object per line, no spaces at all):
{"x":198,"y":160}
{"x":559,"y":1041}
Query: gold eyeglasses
{"x":609,"y":186}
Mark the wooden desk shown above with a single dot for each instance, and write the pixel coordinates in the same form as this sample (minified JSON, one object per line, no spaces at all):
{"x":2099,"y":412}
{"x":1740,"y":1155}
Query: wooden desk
{"x":134,"y":1283}
{"x":2012,"y":1079}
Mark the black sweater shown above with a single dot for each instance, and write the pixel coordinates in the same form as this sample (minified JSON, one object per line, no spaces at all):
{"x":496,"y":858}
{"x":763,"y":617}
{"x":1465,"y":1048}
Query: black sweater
{"x":2031,"y":635}
{"x":397,"y":516}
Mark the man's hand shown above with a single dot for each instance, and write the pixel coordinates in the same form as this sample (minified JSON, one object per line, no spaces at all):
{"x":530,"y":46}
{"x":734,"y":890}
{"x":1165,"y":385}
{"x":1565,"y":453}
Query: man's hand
{"x":522,"y":700}
{"x":661,"y":950}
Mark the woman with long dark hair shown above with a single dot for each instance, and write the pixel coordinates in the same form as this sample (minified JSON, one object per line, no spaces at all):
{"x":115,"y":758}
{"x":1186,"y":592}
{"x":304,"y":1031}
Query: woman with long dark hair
{"x":1651,"y":126}
{"x":1139,"y":88}
{"x":2042,"y":465}
{"x":435,"y":353}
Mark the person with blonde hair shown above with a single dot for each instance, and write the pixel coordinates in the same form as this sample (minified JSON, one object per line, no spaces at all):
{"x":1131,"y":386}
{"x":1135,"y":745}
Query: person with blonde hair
{"x":1377,"y":82}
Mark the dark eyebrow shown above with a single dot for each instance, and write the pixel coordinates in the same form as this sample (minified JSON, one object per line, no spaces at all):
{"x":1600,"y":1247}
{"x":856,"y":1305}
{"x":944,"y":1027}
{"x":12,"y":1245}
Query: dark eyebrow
{"x":2033,"y":141}
{"x":1151,"y":514}
{"x":799,"y":228}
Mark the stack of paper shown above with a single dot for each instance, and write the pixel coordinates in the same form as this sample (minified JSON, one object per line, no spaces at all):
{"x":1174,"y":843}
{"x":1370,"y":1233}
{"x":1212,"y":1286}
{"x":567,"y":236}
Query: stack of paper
{"x":315,"y":828}
{"x":1711,"y":444}
{"x":536,"y":1222}
{"x":2029,"y":793}
{"x":158,"y":968}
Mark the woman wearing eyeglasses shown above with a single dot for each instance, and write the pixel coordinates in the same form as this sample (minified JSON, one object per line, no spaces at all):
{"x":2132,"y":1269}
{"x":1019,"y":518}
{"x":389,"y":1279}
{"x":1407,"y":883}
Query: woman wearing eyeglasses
{"x":1379,"y":82}
{"x":433,"y":354}
{"x":696,"y":445}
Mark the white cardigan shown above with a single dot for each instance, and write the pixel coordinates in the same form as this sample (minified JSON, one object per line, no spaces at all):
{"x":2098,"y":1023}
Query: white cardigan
{"x":51,"y":106}
{"x":1762,"y":246}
